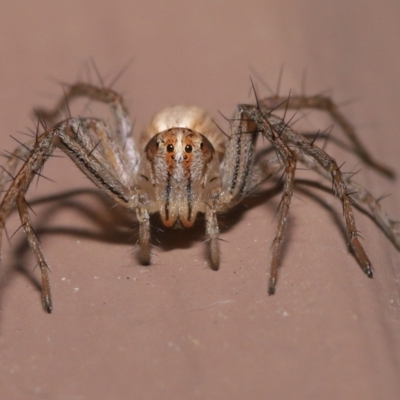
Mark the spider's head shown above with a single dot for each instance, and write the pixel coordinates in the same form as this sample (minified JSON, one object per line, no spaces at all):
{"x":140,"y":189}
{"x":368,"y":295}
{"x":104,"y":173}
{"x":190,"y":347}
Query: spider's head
{"x":179,"y":172}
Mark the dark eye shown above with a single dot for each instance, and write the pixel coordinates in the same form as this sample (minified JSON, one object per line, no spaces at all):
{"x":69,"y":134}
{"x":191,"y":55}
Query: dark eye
{"x":188,"y":148}
{"x":170,"y":148}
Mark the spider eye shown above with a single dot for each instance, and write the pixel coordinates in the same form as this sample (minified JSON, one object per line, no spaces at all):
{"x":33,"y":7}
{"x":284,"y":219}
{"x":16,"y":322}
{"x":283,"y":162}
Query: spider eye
{"x":170,"y":148}
{"x":188,"y":148}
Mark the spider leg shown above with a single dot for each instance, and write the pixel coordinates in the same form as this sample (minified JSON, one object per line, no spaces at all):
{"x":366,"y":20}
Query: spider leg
{"x":288,"y":159}
{"x":388,"y":225}
{"x":73,"y":137}
{"x":13,"y":160}
{"x":238,"y":177}
{"x":123,"y":136}
{"x":241,"y":174}
{"x":212,"y":232}
{"x":362,"y":195}
{"x":327,"y":105}
{"x":304,"y":145}
{"x":238,"y":174}
{"x":144,"y":235}
{"x":98,"y":137}
{"x":37,"y":251}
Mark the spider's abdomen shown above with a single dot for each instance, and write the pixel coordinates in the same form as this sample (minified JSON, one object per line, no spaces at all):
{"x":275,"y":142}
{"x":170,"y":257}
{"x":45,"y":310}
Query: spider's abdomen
{"x":179,"y":172}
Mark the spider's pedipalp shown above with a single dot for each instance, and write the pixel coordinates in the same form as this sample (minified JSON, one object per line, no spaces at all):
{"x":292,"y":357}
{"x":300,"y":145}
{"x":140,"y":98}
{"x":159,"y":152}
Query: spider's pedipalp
{"x":212,"y":232}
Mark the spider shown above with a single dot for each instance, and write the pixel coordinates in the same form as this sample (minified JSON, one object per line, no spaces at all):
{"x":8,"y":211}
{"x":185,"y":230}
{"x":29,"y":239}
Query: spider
{"x":186,"y":166}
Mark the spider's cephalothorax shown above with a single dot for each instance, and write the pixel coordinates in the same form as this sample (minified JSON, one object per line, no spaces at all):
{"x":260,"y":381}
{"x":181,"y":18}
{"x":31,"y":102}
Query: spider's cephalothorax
{"x":179,"y":172}
{"x":184,"y":166}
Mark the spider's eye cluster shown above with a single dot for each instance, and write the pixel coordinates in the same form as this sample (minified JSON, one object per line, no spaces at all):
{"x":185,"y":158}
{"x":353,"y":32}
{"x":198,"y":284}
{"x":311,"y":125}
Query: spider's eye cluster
{"x":188,"y":148}
{"x":170,"y":148}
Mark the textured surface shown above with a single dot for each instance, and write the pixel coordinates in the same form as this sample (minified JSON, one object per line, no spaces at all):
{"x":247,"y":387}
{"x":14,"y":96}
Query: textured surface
{"x":177,"y":329}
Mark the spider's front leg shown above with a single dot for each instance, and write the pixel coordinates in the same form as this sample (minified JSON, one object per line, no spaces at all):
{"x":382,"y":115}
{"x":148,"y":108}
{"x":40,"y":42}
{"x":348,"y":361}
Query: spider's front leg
{"x":241,"y":175}
{"x":75,"y":138}
{"x":288,"y":160}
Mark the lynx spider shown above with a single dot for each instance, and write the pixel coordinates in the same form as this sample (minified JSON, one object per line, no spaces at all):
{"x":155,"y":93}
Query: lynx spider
{"x":187,"y":167}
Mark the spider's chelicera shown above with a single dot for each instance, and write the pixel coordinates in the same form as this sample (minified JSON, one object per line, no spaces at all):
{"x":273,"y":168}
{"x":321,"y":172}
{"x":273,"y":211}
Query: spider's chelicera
{"x":186,"y":167}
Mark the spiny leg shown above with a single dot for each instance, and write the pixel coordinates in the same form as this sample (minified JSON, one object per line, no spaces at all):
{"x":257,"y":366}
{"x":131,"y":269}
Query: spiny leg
{"x":101,"y":94}
{"x":75,"y":142}
{"x":241,"y":174}
{"x":15,"y":194}
{"x":388,"y":225}
{"x":288,"y":159}
{"x":7,"y":172}
{"x":254,"y":120}
{"x":37,"y":251}
{"x":283,"y":213}
{"x":302,"y":144}
{"x":362,"y":195}
{"x":96,"y":136}
{"x":41,"y":150}
{"x":72,"y":137}
{"x":238,"y":175}
{"x":119,"y":110}
{"x":326,"y":104}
